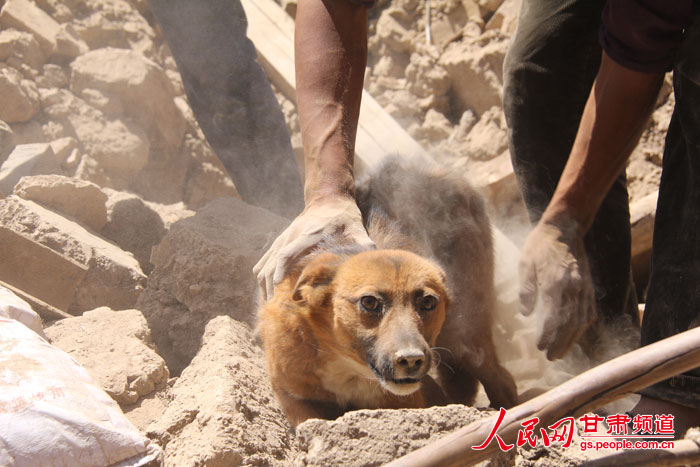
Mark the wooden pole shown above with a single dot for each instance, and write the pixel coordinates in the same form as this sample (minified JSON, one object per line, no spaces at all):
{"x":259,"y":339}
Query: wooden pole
{"x":594,"y":388}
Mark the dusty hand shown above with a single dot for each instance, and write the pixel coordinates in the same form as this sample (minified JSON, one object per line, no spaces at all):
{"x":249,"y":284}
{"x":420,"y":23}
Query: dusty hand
{"x":554,"y":263}
{"x":321,"y":219}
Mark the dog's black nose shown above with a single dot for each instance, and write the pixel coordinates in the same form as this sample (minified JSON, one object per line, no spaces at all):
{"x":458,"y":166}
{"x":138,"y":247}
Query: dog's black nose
{"x":409,"y":360}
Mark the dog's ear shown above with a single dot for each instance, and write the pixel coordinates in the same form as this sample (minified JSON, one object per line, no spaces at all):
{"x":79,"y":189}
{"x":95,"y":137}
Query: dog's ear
{"x":315,"y":279}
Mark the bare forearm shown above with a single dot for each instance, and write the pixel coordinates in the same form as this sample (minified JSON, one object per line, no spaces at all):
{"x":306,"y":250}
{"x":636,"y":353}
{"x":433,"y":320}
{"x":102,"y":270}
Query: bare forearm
{"x":614,"y":117}
{"x":330,"y":55}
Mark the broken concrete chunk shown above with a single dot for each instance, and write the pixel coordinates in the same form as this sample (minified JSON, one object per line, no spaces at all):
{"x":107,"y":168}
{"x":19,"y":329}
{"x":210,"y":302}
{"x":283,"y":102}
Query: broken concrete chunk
{"x":488,"y":7}
{"x":204,"y":265}
{"x":505,"y":19}
{"x":141,"y":84}
{"x":488,"y":138}
{"x":63,"y":148}
{"x":79,"y":199}
{"x":114,"y":277}
{"x":134,"y":226}
{"x":19,"y":97}
{"x":120,"y":148}
{"x":53,"y":77}
{"x":17,"y":47}
{"x":7,"y":141}
{"x":116,"y":349}
{"x":475,"y":69}
{"x":26,"y":159}
{"x":38,"y":270}
{"x":236,"y":420}
{"x":392,"y":30}
{"x":26,"y":16}
{"x":68,"y":42}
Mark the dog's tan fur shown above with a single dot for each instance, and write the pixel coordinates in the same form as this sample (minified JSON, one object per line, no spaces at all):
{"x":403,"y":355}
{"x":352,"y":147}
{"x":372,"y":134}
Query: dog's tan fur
{"x":327,"y":354}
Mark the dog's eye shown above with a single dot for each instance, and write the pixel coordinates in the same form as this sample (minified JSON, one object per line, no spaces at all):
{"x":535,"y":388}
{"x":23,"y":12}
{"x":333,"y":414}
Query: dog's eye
{"x":371,"y":304}
{"x":428,"y":303}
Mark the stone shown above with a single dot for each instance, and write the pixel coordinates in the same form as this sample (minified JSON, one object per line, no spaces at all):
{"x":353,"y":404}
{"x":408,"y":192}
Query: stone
{"x":118,"y":147}
{"x":30,"y":132}
{"x":236,"y":420}
{"x":20,"y":48}
{"x":465,"y":125}
{"x":488,"y":138}
{"x":505,"y":19}
{"x":377,"y":437}
{"x":19,"y":97}
{"x":392,"y":30}
{"x":57,"y":9}
{"x":79,"y":199}
{"x":53,"y":76}
{"x":7,"y":141}
{"x":435,"y":127}
{"x":203,"y":268}
{"x":26,"y":16}
{"x":114,"y":277}
{"x":134,"y":226}
{"x":68,"y":43}
{"x":449,"y":25}
{"x":109,"y":105}
{"x":143,"y":87}
{"x":26,"y":159}
{"x":116,"y":349}
{"x":64,"y":148}
{"x":488,"y":7}
{"x":113,"y":23}
{"x":37,"y":270}
{"x":475,"y":68}
{"x":426,"y":77}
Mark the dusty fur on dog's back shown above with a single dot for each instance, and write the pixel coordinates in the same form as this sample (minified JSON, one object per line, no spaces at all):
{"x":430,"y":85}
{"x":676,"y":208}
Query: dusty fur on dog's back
{"x":320,"y":341}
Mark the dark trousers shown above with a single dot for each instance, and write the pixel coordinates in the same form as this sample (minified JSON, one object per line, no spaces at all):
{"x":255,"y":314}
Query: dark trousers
{"x":548,"y":73}
{"x":232,"y":99}
{"x":673,"y":298}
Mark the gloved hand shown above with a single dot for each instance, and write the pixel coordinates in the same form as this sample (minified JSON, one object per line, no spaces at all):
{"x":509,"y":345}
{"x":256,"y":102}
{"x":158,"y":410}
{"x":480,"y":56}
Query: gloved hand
{"x":554,"y":262}
{"x":326,"y":217}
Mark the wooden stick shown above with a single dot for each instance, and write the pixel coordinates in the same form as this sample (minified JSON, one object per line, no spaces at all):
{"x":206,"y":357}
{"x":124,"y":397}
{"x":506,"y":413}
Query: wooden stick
{"x":594,"y":388}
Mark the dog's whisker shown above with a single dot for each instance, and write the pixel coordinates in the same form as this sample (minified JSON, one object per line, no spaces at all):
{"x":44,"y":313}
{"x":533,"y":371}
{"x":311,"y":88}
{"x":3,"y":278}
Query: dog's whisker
{"x":443,"y":348}
{"x":439,"y":359}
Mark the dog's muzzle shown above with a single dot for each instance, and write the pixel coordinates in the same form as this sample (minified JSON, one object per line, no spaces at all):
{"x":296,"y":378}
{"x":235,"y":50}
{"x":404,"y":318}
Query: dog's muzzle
{"x":401,"y":374}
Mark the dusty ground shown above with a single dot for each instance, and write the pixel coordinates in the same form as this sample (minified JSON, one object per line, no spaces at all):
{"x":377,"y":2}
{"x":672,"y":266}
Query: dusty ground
{"x":131,"y":224}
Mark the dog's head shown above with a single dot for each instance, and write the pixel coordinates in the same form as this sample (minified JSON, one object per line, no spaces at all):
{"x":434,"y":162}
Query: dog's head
{"x":387,"y":306}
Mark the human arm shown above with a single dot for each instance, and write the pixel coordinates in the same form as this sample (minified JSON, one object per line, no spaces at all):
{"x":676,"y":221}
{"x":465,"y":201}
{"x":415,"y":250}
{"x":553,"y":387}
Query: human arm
{"x":330,"y":59}
{"x":553,"y":261}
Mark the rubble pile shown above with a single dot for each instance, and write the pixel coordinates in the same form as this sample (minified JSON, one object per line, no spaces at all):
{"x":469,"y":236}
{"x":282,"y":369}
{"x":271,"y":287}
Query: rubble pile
{"x":121,"y":228}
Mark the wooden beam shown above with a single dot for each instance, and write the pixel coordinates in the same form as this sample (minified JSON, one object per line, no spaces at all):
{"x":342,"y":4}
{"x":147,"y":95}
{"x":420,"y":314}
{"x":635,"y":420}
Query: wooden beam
{"x":272,"y":32}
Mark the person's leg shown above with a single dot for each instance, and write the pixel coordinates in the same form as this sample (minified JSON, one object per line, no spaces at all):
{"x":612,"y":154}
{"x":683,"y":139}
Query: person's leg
{"x":232,"y":99}
{"x":673,"y":299}
{"x":548,"y":73}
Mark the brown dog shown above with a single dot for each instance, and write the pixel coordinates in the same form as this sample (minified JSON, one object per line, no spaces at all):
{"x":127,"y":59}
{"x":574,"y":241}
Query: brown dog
{"x":349,"y":330}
